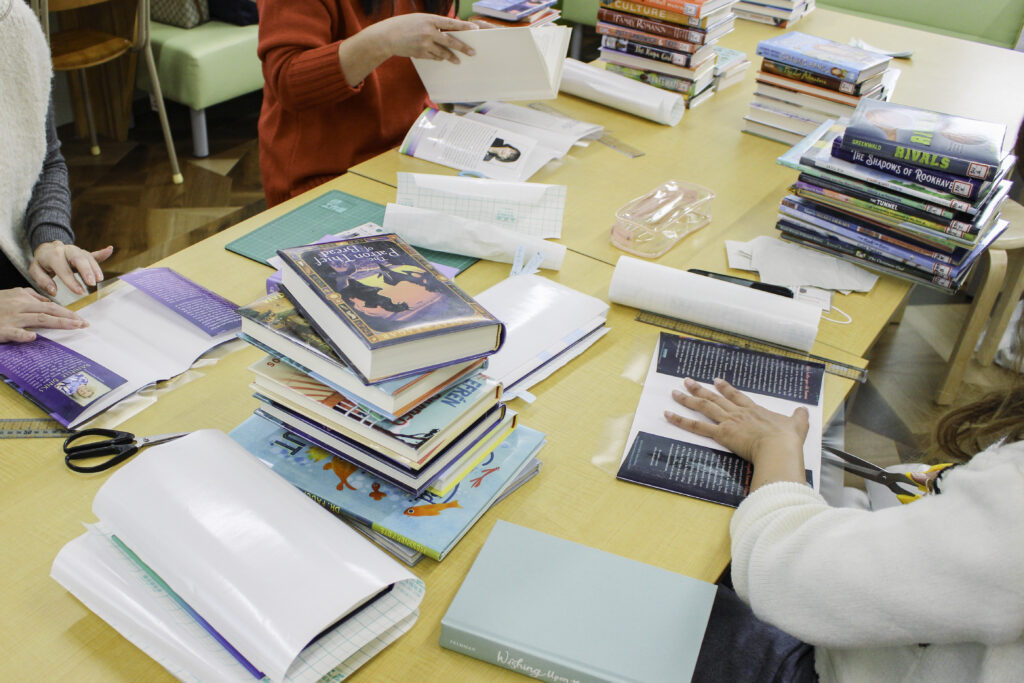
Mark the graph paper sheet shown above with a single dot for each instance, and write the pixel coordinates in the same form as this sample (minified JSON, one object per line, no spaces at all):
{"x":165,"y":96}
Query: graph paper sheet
{"x":332,"y":212}
{"x":533,"y":209}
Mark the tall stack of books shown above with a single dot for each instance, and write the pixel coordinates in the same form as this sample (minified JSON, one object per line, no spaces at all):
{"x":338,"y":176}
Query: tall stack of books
{"x":805,"y":80}
{"x":373,"y":368}
{"x":665,"y":43}
{"x":904,"y":191}
{"x":513,"y":13}
{"x":780,"y":13}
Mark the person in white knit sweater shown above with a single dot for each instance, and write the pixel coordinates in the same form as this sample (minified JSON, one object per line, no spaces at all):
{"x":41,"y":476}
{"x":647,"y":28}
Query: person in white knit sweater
{"x":928,"y":591}
{"x":36,"y":241}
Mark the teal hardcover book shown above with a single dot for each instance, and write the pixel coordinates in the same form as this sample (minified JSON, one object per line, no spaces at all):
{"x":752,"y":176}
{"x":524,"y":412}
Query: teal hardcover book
{"x":428,"y":523}
{"x":560,"y":611}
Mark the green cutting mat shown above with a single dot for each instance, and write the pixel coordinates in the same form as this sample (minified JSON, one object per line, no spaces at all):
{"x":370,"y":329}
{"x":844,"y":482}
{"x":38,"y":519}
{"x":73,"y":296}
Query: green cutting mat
{"x":332,"y":212}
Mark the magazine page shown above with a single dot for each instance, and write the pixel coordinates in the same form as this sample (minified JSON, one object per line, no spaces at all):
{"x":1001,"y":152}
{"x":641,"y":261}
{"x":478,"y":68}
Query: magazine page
{"x":559,"y":143}
{"x":661,"y":455}
{"x":581,"y":132}
{"x":612,"y":90}
{"x":466,"y":145}
{"x":266,"y":567}
{"x":509,"y":64}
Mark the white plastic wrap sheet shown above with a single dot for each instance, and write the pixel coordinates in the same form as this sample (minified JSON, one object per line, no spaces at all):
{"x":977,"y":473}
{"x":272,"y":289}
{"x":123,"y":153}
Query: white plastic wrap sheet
{"x":612,"y":90}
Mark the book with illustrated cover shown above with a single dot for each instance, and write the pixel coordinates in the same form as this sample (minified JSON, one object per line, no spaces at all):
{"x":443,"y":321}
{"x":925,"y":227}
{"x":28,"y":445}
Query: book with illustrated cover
{"x":654,"y":27}
{"x":511,"y":10}
{"x":413,"y":439}
{"x":560,"y":611}
{"x":137,"y":335}
{"x":663,"y":456}
{"x":428,"y":523}
{"x":698,"y":72}
{"x":661,"y":54}
{"x":823,"y":56}
{"x":272,"y":324}
{"x":660,"y":13}
{"x":684,"y":86}
{"x":796,"y":73}
{"x":943,"y":142}
{"x":698,"y":50}
{"x":384,"y":309}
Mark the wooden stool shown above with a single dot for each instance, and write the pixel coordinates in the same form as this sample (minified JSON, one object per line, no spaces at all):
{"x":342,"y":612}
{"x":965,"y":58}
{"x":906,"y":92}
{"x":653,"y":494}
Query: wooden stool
{"x":1002,"y":273}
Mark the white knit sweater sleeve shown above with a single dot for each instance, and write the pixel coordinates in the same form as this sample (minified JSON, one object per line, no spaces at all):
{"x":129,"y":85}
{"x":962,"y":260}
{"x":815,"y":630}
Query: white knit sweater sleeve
{"x":945,"y":569}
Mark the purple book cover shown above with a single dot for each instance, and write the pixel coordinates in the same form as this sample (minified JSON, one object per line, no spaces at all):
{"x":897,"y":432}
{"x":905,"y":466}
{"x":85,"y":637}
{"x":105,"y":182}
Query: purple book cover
{"x":210,"y":312}
{"x":61,"y":381}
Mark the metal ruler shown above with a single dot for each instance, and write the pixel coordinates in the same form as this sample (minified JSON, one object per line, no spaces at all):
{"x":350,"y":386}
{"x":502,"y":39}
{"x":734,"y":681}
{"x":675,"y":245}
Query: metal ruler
{"x":31,"y":428}
{"x":832,"y":367}
{"x":606,"y":138}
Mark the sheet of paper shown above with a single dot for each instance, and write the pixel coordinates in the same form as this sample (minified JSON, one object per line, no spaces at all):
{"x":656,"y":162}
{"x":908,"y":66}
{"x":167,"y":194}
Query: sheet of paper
{"x":790,"y":265}
{"x":509,"y":64}
{"x":612,"y":90}
{"x":453,"y":234}
{"x":529,"y":208}
{"x":531,"y":117}
{"x":738,"y":255}
{"x":714,"y":303}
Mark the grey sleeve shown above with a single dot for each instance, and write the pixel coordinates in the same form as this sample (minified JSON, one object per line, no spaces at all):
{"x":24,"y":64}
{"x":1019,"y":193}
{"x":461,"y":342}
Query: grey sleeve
{"x":48,"y":216}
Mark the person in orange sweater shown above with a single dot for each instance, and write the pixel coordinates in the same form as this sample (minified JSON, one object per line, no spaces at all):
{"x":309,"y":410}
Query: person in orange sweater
{"x":338,"y":87}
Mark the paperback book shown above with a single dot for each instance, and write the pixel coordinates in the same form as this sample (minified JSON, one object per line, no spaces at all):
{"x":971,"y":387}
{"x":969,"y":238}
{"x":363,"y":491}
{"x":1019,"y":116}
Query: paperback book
{"x":148,"y":330}
{"x":427,"y":523}
{"x":821,"y":80}
{"x":660,"y":455}
{"x":384,"y":309}
{"x":823,"y":56}
{"x":511,"y":10}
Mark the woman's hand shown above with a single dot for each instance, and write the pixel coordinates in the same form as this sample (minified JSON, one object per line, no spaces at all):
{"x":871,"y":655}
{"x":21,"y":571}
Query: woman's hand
{"x":420,"y":35}
{"x":56,"y":259}
{"x":772,"y":442}
{"x":22,"y":308}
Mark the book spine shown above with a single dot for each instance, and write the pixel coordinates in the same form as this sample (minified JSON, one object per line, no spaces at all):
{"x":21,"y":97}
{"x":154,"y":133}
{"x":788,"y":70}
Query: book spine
{"x":663,"y":81}
{"x":880,"y":198}
{"x":811,"y":77}
{"x":644,"y":10}
{"x":968,"y":188}
{"x":653,"y":26}
{"x":646,"y":51}
{"x":607,"y":29}
{"x":854,"y":141}
{"x":761,"y":18}
{"x":782,"y":55}
{"x":489,"y":649}
{"x":408,"y":542}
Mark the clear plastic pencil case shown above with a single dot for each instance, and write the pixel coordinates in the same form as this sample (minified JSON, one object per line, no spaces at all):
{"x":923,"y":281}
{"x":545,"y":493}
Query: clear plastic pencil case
{"x":650,"y":225}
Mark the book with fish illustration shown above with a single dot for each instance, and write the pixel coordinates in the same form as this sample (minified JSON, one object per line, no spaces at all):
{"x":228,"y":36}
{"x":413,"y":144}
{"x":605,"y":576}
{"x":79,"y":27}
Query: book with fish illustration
{"x":428,"y":523}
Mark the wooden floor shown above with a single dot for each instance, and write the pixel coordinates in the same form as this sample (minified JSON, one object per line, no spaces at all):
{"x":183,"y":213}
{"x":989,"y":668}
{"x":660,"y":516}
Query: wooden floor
{"x":124,"y":197}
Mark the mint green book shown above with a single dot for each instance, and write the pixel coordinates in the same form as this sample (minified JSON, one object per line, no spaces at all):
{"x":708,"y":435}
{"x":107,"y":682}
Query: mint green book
{"x":560,"y":611}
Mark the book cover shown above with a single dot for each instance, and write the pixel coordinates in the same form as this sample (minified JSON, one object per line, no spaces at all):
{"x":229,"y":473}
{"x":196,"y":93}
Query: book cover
{"x":919,"y":137}
{"x":560,"y":611}
{"x":511,"y":10}
{"x":415,"y":436}
{"x":842,"y":85}
{"x":608,"y":29}
{"x":660,"y":455}
{"x":661,"y":54}
{"x":684,"y":86}
{"x":428,"y":523}
{"x":823,"y":56}
{"x":660,"y":13}
{"x":661,"y":28}
{"x":777,"y":22}
{"x":697,"y":73}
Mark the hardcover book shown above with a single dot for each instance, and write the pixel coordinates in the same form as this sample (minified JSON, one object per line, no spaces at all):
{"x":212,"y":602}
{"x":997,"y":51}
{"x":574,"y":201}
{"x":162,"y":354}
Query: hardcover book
{"x":560,"y":611}
{"x":706,"y":69}
{"x":684,"y":86}
{"x":609,"y":29}
{"x":652,"y":11}
{"x":428,"y":523}
{"x":384,"y":309}
{"x":796,"y":73}
{"x":511,"y":10}
{"x":933,"y":140}
{"x":273,"y":325}
{"x":823,"y":56}
{"x":412,"y":439}
{"x":661,"y":54}
{"x":666,"y":29}
{"x":660,"y":455}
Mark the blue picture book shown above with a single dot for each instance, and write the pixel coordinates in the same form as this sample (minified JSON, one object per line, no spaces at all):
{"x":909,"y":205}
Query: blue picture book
{"x":427,"y":523}
{"x":823,"y":56}
{"x":560,"y":611}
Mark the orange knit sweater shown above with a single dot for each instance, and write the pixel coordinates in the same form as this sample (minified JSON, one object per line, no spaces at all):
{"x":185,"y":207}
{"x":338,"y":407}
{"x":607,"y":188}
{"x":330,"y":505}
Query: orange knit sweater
{"x":314,"y":125}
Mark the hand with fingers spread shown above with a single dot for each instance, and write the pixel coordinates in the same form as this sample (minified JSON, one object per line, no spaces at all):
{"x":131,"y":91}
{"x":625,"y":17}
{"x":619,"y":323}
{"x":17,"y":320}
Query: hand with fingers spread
{"x":56,"y":259}
{"x":772,"y":442}
{"x":23,"y":308}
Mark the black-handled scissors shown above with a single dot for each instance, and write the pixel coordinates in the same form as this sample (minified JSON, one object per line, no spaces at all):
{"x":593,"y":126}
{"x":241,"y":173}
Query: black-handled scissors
{"x":117,"y":445}
{"x":905,"y":488}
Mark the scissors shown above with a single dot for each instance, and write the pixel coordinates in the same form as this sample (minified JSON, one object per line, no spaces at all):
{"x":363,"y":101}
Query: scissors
{"x":118,"y":445}
{"x":904,"y":485}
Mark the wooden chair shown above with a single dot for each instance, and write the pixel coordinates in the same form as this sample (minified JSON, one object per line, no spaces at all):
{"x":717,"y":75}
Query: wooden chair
{"x":77,"y":49}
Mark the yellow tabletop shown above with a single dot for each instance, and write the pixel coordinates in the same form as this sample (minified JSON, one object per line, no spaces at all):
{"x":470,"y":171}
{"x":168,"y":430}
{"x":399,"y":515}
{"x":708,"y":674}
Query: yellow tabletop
{"x":585,"y":409}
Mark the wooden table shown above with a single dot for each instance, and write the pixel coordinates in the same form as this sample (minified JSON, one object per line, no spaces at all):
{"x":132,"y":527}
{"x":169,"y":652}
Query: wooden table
{"x":707,"y":147}
{"x":585,"y":409}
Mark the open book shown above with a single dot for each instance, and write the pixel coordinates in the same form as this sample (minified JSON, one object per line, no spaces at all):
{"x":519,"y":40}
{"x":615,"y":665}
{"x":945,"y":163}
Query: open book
{"x":509,"y":64}
{"x":220,"y":570}
{"x":137,"y":335}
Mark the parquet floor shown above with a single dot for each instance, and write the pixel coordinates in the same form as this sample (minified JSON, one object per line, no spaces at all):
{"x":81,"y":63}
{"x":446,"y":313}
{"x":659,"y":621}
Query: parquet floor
{"x":124,"y":198}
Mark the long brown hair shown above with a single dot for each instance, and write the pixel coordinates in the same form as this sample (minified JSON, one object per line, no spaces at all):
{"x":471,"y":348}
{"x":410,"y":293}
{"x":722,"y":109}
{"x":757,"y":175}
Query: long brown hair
{"x":969,"y":429}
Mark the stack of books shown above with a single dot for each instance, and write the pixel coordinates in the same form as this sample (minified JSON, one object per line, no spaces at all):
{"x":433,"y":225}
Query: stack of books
{"x":780,"y":13}
{"x":904,"y":191}
{"x":730,"y":67}
{"x":805,"y":80}
{"x":373,"y":372}
{"x":513,"y":13}
{"x":665,"y":43}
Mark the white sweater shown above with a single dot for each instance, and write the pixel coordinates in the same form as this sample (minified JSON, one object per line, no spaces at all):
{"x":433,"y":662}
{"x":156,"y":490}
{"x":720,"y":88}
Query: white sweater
{"x":868,"y":588}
